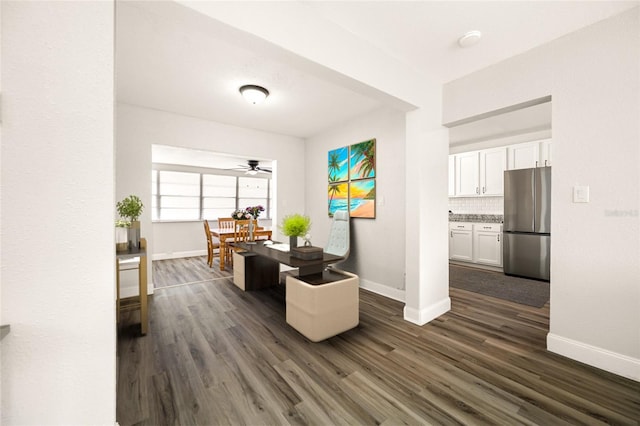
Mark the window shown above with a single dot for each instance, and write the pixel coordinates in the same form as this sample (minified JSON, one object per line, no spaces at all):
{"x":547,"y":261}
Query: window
{"x":218,"y":196}
{"x":253,"y":192}
{"x":197,"y":195}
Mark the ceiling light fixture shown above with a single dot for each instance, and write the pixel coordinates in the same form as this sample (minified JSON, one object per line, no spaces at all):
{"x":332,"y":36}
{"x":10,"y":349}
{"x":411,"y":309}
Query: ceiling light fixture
{"x":469,"y":39}
{"x":254,"y":94}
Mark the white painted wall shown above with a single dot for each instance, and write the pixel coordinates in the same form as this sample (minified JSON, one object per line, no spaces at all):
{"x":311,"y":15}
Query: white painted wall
{"x":138,"y":128}
{"x":377,"y":245}
{"x":593,"y":76}
{"x":58,"y":271}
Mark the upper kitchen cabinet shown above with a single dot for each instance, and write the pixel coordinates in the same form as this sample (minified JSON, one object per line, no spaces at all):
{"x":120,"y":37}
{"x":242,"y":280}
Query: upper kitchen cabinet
{"x":479,"y":173}
{"x":493,"y":163}
{"x":545,"y":152}
{"x":452,"y":175}
{"x":529,"y":155}
{"x":467,"y":175}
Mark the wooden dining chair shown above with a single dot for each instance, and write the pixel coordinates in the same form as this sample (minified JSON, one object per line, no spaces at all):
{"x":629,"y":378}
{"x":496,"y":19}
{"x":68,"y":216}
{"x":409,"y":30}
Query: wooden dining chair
{"x":241,"y":231}
{"x":224,"y":224}
{"x":211,"y":245}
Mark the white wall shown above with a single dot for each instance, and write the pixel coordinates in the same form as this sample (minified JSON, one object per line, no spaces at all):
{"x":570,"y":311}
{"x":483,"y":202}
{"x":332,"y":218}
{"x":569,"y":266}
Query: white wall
{"x":58,"y":271}
{"x":593,"y":76}
{"x":138,"y":128}
{"x":377,"y":245}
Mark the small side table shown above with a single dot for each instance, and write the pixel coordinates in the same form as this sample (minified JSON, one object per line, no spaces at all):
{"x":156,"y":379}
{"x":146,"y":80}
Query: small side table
{"x":139,"y":302}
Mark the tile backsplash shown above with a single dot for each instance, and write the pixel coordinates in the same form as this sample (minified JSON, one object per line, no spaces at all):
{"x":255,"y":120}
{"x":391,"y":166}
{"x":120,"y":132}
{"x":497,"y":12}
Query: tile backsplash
{"x":477,"y":205}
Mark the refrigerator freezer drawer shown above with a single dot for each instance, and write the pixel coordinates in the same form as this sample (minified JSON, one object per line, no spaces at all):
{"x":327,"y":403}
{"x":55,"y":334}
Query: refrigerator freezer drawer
{"x":527,"y":255}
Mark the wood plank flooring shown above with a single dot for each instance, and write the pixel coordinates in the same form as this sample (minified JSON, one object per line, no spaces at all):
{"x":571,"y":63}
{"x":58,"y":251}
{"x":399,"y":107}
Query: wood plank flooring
{"x":217,"y":356}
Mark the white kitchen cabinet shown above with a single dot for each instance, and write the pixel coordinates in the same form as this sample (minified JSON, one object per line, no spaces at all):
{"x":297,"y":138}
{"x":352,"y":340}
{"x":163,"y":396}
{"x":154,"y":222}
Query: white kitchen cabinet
{"x":461,"y":241}
{"x":529,"y":155}
{"x":452,"y":175}
{"x":524,"y":155}
{"x":467,"y":174}
{"x":545,"y":153}
{"x":493,"y":163}
{"x":487,"y":244}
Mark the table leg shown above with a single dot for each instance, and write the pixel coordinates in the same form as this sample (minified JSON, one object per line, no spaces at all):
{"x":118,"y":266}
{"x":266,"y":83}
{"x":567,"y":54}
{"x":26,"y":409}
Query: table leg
{"x":223,"y":251}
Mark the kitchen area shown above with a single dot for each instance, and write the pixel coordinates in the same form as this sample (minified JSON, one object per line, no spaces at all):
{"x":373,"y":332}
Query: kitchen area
{"x":500,"y":192}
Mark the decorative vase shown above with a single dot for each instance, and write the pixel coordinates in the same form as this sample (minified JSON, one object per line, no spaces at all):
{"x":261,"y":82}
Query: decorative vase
{"x":122,"y":237}
{"x":134,"y":235}
{"x":293,"y":241}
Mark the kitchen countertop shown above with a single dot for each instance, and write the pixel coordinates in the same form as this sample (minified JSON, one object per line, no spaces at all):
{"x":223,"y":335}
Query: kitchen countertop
{"x":477,"y":218}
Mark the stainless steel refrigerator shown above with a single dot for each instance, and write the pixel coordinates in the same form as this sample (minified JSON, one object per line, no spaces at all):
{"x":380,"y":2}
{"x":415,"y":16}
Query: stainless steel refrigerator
{"x":527,"y":222}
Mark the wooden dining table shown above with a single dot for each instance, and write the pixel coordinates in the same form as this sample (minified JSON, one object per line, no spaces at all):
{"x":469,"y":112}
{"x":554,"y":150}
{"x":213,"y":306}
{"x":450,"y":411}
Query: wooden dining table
{"x":227,"y":234}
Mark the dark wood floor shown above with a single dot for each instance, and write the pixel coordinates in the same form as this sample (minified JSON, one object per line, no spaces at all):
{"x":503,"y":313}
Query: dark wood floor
{"x":217,"y":356}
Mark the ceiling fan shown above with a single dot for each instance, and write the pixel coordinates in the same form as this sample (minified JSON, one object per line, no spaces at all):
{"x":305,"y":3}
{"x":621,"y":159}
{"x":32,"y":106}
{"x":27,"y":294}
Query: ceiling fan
{"x":253,"y":167}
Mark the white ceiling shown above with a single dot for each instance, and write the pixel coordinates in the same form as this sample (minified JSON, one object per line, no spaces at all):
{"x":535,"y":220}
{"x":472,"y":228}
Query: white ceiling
{"x":171,"y":58}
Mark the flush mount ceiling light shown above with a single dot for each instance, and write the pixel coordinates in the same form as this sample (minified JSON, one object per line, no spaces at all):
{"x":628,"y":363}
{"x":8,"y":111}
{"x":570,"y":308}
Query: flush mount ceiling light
{"x":254,"y":94}
{"x":469,"y":39}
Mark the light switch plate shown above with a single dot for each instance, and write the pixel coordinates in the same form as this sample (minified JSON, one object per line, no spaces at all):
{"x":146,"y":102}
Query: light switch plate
{"x":581,"y":194}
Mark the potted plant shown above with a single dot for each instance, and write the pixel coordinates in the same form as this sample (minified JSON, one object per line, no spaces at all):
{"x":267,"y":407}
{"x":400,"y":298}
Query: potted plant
{"x":294,"y":226}
{"x":131,"y":208}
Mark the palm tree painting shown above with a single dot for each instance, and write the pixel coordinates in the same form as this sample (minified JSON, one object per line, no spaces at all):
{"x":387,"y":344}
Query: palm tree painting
{"x":362,"y":161}
{"x":338,"y":196}
{"x":338,"y":164}
{"x":362,"y":202}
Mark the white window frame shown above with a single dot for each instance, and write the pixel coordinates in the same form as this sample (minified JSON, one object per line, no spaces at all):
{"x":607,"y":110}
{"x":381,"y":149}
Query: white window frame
{"x":156,"y":196}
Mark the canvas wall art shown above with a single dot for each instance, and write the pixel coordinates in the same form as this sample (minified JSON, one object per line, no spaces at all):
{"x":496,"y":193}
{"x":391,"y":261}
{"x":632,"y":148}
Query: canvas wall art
{"x":338,"y":164}
{"x":362,"y":160}
{"x":351,"y":171}
{"x":338,"y":197}
{"x":362,"y":198}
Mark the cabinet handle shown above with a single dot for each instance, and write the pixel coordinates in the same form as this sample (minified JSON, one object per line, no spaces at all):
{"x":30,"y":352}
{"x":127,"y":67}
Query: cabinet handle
{"x":498,"y":237}
{"x":477,"y":190}
{"x":483,"y":189}
{"x":536,"y":163}
{"x":545,"y":163}
{"x":451,"y":234}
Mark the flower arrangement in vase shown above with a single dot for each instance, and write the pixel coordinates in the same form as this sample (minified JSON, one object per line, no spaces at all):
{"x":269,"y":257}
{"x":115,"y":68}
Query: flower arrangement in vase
{"x":241,"y":215}
{"x":255,"y":211}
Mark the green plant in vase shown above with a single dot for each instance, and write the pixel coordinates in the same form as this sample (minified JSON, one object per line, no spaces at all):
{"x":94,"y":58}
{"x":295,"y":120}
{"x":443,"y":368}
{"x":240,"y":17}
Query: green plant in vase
{"x":294,"y":226}
{"x":131,"y":208}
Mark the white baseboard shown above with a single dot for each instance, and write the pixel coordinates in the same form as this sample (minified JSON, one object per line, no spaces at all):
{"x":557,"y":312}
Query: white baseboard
{"x":612,"y":362}
{"x":383,"y":290}
{"x":425,"y":315}
{"x":178,"y":255}
{"x":476,"y":266}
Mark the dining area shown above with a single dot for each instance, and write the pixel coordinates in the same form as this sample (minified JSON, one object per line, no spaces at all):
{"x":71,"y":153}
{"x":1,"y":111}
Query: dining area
{"x":230,"y":230}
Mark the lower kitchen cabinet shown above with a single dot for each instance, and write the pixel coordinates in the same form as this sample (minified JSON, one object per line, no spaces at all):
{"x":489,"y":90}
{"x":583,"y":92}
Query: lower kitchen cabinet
{"x":479,"y":243}
{"x":461,"y":241}
{"x":487,"y":244}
